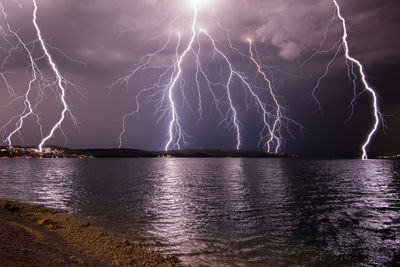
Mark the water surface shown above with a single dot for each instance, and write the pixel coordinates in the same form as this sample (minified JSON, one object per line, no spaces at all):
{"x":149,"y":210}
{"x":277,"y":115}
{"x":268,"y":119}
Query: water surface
{"x":233,"y":212}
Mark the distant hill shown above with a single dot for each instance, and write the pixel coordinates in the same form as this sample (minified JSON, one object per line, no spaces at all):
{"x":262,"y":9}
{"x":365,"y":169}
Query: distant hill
{"x":62,"y":152}
{"x":185,"y":153}
{"x":218,"y":153}
{"x":112,"y":153}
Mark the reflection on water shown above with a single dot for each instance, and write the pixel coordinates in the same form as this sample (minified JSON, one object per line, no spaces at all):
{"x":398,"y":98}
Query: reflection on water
{"x":228,"y":211}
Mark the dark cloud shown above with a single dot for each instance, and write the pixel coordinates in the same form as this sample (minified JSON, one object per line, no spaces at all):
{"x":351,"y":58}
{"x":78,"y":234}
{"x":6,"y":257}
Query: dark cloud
{"x":112,"y":36}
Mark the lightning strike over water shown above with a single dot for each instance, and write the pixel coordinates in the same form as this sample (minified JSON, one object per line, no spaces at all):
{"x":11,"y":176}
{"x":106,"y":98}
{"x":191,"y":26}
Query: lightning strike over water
{"x":171,"y":83}
{"x":278,"y":115}
{"x":174,"y":125}
{"x":37,"y":81}
{"x":60,"y":80}
{"x":351,"y":63}
{"x":198,"y":71}
{"x":28,"y":105}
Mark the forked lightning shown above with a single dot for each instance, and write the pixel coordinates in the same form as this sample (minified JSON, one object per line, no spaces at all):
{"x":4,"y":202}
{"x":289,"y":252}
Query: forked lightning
{"x":351,"y":63}
{"x":172,"y":83}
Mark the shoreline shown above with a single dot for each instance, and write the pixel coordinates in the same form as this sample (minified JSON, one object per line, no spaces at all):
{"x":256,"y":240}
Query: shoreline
{"x":38,"y":236}
{"x":62,"y":152}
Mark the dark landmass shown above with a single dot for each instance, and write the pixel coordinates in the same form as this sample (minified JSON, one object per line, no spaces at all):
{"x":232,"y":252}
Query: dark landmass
{"x":217,"y":153}
{"x":60,"y":152}
{"x":343,"y":155}
{"x":347,"y":156}
{"x":37,"y":236}
{"x":389,"y":157}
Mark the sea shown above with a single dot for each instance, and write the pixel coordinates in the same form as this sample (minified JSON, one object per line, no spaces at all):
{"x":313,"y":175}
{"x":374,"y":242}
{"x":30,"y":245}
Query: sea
{"x":228,"y":211}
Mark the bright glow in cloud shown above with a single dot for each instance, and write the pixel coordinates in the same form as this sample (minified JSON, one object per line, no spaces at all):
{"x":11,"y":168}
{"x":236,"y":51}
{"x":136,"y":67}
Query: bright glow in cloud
{"x":200,"y":4}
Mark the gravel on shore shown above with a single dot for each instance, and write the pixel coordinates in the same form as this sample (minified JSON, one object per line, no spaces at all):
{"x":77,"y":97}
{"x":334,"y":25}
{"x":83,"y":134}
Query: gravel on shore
{"x":38,"y":236}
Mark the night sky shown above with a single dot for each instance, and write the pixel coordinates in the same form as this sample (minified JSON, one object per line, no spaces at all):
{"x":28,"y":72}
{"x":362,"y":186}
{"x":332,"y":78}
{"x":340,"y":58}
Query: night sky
{"x":112,"y":36}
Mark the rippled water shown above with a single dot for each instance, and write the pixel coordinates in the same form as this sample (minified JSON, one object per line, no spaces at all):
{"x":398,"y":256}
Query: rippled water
{"x":250,"y":212}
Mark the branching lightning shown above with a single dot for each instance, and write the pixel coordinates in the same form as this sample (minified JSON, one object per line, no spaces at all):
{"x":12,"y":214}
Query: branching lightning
{"x":171,"y":84}
{"x":59,"y":79}
{"x":27,"y":103}
{"x":37,"y":81}
{"x":278,"y":115}
{"x":169,"y":93}
{"x":351,"y":63}
{"x":175,"y":125}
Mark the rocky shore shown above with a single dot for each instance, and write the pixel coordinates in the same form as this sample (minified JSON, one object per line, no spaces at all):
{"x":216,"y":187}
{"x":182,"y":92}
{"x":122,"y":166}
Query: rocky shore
{"x":37,"y":236}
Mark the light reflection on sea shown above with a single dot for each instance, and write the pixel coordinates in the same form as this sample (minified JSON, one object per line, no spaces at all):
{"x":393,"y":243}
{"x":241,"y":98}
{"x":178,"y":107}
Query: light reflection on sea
{"x":244,"y":212}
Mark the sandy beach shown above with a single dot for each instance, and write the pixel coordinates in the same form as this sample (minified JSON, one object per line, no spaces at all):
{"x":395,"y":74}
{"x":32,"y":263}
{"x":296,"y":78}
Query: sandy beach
{"x":37,"y":236}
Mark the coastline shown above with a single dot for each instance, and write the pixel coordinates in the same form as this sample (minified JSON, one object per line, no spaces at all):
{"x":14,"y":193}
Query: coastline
{"x":37,"y":236}
{"x":62,"y":152}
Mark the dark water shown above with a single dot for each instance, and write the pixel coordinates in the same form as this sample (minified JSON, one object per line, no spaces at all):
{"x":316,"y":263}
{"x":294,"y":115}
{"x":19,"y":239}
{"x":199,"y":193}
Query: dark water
{"x":249,"y":212}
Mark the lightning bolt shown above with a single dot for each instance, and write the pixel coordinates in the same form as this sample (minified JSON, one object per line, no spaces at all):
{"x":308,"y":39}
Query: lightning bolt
{"x":37,"y":80}
{"x":171,"y":84}
{"x":144,"y":64}
{"x":59,"y":79}
{"x":27,"y":104}
{"x":278,"y":115}
{"x":351,"y":63}
{"x":174,"y":125}
{"x":232,"y":73}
